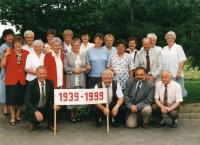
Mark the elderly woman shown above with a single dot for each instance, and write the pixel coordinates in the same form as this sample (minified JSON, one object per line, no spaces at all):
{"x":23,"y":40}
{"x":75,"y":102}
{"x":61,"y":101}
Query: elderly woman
{"x":51,"y":33}
{"x":121,"y":64}
{"x":153,"y":38}
{"x":76,"y":66}
{"x":98,"y":57}
{"x":109,"y":40}
{"x":132,"y":43}
{"x":8,"y":35}
{"x":14,"y":60}
{"x":54,"y":63}
{"x":29,"y":38}
{"x":67,"y":36}
{"x":85,"y":45}
{"x":34,"y":60}
{"x":174,"y":58}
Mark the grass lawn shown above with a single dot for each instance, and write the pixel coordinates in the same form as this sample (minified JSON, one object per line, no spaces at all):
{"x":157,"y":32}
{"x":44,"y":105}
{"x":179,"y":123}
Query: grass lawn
{"x":193,"y":89}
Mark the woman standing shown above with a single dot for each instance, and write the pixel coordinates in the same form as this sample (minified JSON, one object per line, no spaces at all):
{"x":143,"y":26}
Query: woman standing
{"x":76,"y":66}
{"x":121,"y":64}
{"x":14,"y":60}
{"x":98,"y":57}
{"x":132,"y":43}
{"x":85,"y":45}
{"x":8,"y":35}
{"x":29,"y":38}
{"x":51,"y":33}
{"x":174,"y":58}
{"x":34,"y":60}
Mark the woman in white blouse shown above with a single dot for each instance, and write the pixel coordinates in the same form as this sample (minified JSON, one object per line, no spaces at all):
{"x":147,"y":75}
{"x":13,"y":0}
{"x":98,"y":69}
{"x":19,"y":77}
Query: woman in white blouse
{"x":76,"y":65}
{"x":34,"y":60}
{"x":174,"y":58}
{"x":85,"y":45}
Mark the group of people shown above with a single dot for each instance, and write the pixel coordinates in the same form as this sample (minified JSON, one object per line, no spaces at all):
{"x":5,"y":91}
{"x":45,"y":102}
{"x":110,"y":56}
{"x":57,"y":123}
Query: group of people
{"x":149,"y":81}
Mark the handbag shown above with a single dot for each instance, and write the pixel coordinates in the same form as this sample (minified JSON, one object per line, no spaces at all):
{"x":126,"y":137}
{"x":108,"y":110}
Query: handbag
{"x":2,"y":86}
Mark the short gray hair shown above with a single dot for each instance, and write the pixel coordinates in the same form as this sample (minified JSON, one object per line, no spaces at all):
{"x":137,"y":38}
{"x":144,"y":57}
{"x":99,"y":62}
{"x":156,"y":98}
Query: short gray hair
{"x":75,"y":40}
{"x":41,"y":67}
{"x":168,"y":71}
{"x":170,"y":33}
{"x":152,"y":35}
{"x":38,"y":42}
{"x":56,"y":39}
{"x":147,"y":38}
{"x":107,"y":71}
{"x":29,"y":32}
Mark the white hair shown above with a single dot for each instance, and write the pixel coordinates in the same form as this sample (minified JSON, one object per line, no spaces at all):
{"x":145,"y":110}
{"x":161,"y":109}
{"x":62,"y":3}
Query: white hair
{"x":38,"y":42}
{"x":168,"y":72}
{"x":107,"y":71}
{"x":28,"y":32}
{"x":152,"y":35}
{"x":170,"y":33}
{"x":56,"y":39}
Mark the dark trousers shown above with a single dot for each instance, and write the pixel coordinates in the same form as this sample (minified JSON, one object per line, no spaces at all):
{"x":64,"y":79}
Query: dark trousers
{"x":47,"y":112}
{"x":158,"y":114}
{"x":97,"y":113}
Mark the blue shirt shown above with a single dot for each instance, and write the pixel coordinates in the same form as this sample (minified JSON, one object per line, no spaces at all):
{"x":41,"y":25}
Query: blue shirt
{"x":98,"y":58}
{"x":114,"y":49}
{"x":3,"y":47}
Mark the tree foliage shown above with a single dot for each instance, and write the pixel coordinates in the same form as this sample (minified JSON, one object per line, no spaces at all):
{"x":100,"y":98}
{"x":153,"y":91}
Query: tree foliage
{"x":110,"y":16}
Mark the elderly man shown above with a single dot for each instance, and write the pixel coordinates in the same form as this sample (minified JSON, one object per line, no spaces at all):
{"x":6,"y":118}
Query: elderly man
{"x":116,"y":99}
{"x":168,"y":96}
{"x":39,"y":100}
{"x":153,"y":38}
{"x":138,"y":96}
{"x":151,"y":60}
{"x":29,"y":38}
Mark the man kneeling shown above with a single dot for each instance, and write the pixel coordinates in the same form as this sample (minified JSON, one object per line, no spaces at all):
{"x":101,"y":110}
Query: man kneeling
{"x":116,"y":99}
{"x":167,"y":99}
{"x":39,"y":100}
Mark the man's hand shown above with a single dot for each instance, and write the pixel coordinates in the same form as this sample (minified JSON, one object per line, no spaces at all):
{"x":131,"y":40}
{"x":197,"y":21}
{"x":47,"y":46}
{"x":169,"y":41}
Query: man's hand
{"x":164,"y":110}
{"x":106,"y":111}
{"x":38,"y":116}
{"x":114,"y":111}
{"x":134,"y":108}
{"x":57,"y":107}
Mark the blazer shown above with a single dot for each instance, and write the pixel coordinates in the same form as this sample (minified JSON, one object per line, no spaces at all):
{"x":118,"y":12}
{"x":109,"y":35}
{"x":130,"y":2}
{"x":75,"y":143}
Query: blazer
{"x":50,"y":64}
{"x":32,"y":95}
{"x":145,"y":95}
{"x":15,"y":72}
{"x":156,"y":62}
{"x":69,"y":66}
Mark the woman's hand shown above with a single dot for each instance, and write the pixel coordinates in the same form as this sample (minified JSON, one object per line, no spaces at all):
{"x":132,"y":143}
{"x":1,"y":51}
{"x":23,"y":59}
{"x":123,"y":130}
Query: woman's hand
{"x":7,"y":52}
{"x":87,"y":67}
{"x":178,"y":75}
{"x":78,"y":70}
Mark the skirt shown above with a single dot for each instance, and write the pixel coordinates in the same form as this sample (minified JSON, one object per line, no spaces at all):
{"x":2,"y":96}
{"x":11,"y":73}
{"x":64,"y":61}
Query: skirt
{"x":15,"y":94}
{"x":181,"y":82}
{"x":92,"y":81}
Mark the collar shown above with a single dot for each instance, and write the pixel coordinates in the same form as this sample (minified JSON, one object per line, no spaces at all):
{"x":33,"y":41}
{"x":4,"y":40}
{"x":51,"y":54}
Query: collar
{"x":54,"y":54}
{"x":79,"y":52}
{"x":104,"y":86}
{"x":40,"y":83}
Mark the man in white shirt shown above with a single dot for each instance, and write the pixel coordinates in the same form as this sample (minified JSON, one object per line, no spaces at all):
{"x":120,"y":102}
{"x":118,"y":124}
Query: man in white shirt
{"x":29,"y":38}
{"x":168,"y":96}
{"x":116,"y":99}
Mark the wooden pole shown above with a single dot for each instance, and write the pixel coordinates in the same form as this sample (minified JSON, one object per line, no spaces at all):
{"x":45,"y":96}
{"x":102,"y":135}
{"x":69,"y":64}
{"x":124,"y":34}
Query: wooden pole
{"x":107,"y":106}
{"x":54,"y":120}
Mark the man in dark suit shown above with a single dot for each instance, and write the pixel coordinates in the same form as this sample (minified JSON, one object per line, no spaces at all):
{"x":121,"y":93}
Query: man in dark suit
{"x":39,"y":100}
{"x":138,"y":96}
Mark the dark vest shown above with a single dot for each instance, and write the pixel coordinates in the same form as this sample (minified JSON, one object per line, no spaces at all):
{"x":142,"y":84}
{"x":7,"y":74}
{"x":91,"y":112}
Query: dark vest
{"x":114,"y":88}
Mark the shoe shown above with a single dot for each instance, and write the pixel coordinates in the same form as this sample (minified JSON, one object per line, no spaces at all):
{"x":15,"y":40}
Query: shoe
{"x":145,"y":125}
{"x":98,"y":124}
{"x":72,"y":120}
{"x":31,"y":127}
{"x":78,"y":119}
{"x":58,"y":121}
{"x":19,"y":120}
{"x":114,"y":124}
{"x":174,"y":124}
{"x":50,"y":127}
{"x":13,"y":122}
{"x":6,"y":114}
{"x":158,"y":125}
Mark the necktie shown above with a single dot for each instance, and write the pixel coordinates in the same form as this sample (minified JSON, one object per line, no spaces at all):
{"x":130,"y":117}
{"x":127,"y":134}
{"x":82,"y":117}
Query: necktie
{"x":43,"y":96}
{"x":165,"y":96}
{"x":148,"y":63}
{"x":138,"y":88}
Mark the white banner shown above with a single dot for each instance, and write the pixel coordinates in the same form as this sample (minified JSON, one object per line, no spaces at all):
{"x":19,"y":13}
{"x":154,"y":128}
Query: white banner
{"x":79,"y":96}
